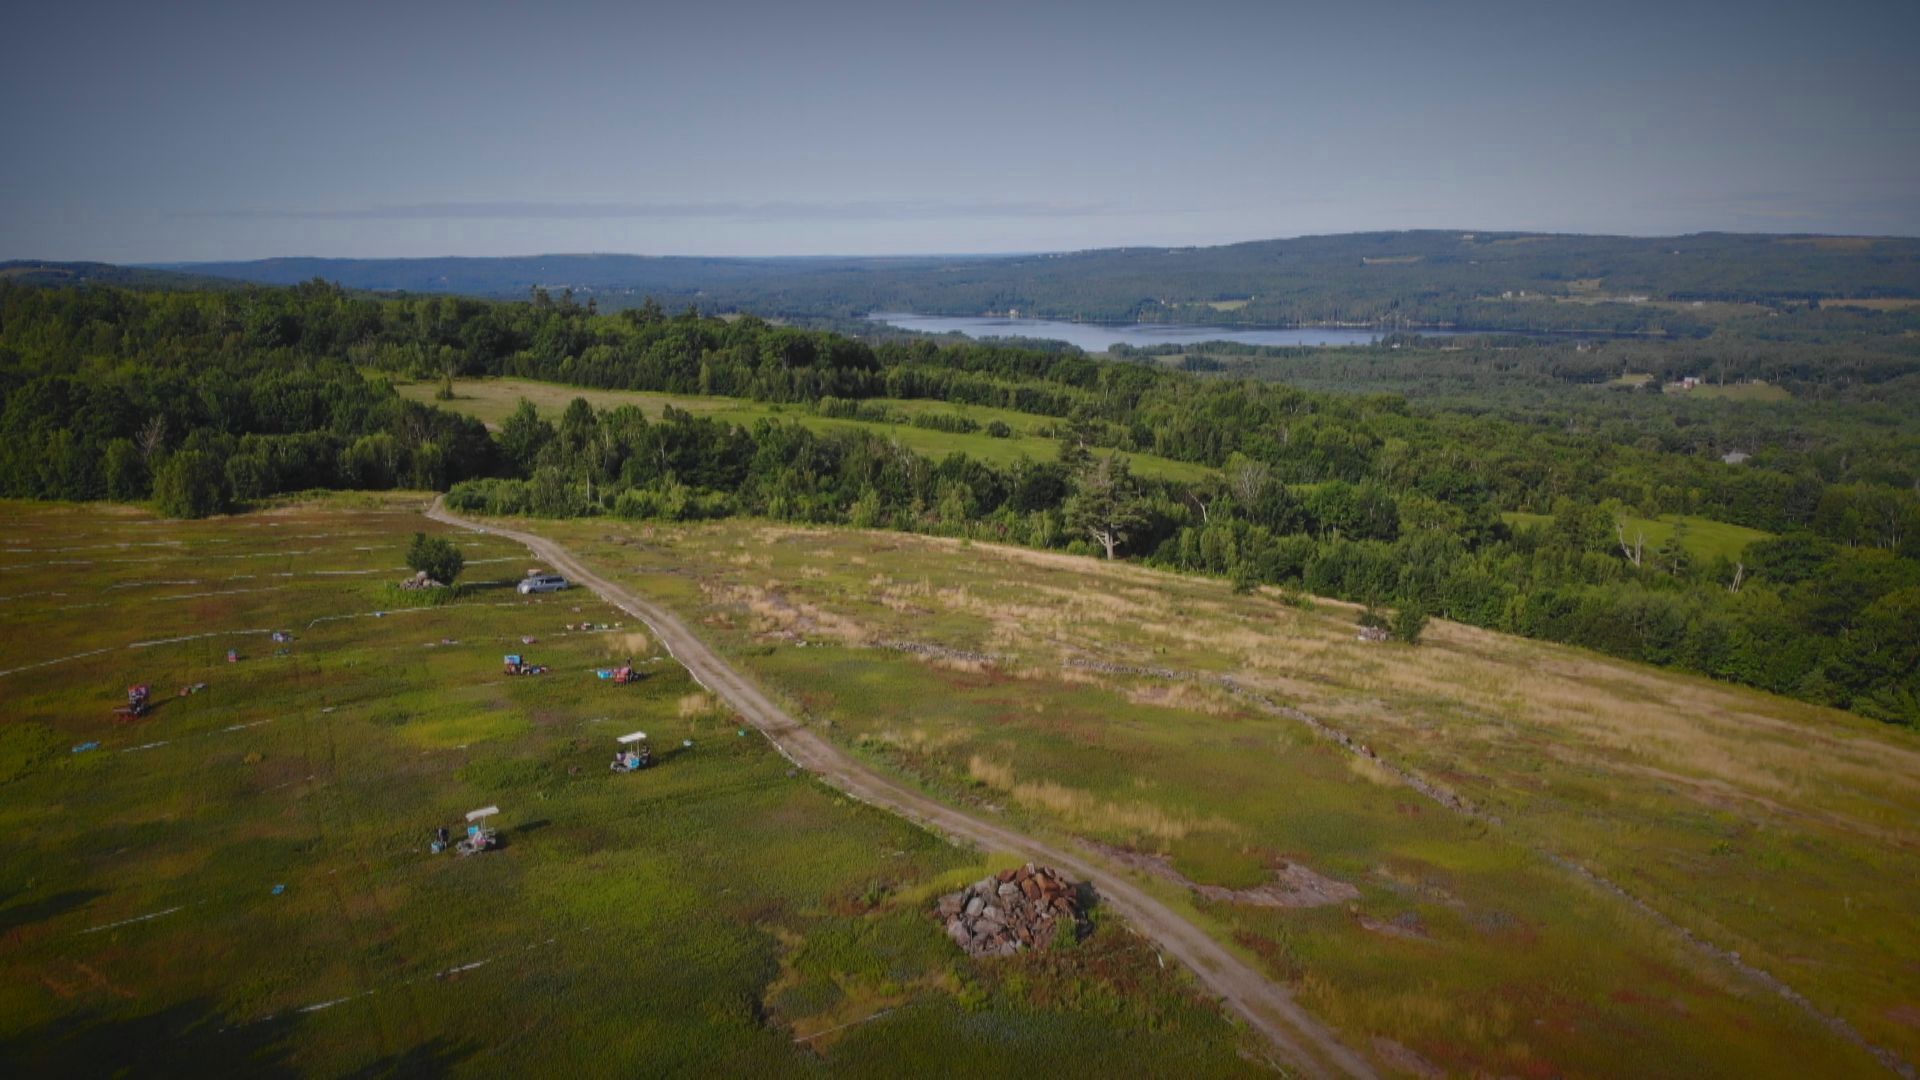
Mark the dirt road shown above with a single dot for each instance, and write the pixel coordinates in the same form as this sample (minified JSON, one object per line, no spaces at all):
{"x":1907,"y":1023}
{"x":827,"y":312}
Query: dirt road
{"x":1303,"y":1044}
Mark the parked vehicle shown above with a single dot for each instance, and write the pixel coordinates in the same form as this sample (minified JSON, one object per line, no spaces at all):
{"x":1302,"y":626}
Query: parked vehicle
{"x":539,"y":583}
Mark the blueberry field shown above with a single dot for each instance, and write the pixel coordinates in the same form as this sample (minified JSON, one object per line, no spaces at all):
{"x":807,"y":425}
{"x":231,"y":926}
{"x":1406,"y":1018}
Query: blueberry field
{"x":240,"y":882}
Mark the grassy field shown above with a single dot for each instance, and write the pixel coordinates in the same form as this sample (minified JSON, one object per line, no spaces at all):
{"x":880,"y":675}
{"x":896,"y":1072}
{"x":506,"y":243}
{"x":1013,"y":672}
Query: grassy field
{"x":1084,"y":701}
{"x":493,"y":400}
{"x":1705,"y":538}
{"x":1756,"y":390}
{"x":1878,"y":304}
{"x":239,"y":883}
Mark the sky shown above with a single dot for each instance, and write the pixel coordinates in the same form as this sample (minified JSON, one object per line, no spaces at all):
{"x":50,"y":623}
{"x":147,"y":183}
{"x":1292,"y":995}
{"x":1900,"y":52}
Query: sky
{"x":147,"y":132}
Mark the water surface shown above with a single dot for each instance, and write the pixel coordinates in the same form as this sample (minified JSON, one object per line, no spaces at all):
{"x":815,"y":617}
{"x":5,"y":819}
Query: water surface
{"x":1098,"y":337}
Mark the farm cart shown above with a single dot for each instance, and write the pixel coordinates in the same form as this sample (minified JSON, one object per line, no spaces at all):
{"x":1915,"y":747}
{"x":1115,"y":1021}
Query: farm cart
{"x":479,"y":837}
{"x":515,"y":664}
{"x":138,"y":703}
{"x":620,"y":676}
{"x":635,"y":753}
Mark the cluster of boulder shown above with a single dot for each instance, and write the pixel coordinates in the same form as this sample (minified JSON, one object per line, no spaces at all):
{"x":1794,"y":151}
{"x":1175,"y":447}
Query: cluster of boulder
{"x":420,"y":580}
{"x":1024,"y":907}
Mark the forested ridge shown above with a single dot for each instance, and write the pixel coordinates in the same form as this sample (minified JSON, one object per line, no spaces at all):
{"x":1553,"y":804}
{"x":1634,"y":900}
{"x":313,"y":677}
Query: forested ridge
{"x":1476,"y":280}
{"x":202,"y":399}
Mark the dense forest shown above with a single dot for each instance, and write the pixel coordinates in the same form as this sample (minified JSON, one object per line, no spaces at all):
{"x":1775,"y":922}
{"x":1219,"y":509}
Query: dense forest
{"x":201,"y":400}
{"x":1672,"y":286}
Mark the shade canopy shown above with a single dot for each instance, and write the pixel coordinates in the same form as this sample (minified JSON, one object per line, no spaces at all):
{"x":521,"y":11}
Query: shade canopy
{"x":633,"y":738}
{"x":483,"y":812}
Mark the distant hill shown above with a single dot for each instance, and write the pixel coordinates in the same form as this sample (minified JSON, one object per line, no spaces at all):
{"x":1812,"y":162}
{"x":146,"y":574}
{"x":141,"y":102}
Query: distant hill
{"x":1522,"y":281}
{"x":41,"y":272}
{"x":515,"y":276}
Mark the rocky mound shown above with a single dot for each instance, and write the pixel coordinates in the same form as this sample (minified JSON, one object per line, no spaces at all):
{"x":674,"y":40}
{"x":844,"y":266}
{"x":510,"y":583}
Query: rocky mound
{"x":420,"y":580}
{"x":1026,"y":907}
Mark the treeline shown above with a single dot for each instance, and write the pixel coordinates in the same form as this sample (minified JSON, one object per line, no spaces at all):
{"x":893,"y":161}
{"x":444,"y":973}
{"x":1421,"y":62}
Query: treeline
{"x":199,"y":399}
{"x":1799,"y":615}
{"x":1840,"y":410}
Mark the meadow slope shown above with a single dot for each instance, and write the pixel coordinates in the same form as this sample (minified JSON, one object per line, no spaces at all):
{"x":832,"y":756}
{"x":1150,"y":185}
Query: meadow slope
{"x":1302,"y":1042}
{"x":1529,"y":859}
{"x":239,"y":882}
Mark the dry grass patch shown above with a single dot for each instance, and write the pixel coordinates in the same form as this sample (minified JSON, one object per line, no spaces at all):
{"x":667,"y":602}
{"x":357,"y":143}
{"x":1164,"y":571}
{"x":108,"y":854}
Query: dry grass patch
{"x":1086,"y":812}
{"x":1184,"y":696}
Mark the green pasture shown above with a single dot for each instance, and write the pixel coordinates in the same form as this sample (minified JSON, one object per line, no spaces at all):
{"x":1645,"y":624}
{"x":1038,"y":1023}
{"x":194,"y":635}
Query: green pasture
{"x":493,"y":400}
{"x":240,"y":882}
{"x":1705,"y":538}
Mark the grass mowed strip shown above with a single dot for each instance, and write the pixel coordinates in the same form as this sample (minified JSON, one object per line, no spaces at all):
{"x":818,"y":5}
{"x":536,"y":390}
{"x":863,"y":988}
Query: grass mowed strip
{"x":1083,"y":701}
{"x":493,"y":400}
{"x":240,"y":880}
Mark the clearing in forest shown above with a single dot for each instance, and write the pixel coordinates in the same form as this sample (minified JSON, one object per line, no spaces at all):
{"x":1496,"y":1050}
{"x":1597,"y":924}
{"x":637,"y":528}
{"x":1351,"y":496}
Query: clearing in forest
{"x":493,"y":400}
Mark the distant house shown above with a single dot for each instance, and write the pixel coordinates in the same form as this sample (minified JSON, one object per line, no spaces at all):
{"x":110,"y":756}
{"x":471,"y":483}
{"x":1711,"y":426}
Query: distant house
{"x":1735,"y":457}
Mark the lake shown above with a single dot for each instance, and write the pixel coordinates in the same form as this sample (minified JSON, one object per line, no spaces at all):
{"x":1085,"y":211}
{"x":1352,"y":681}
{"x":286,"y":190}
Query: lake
{"x":1097,"y":337}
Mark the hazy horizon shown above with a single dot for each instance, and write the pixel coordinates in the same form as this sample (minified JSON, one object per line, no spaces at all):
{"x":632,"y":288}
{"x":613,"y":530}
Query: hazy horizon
{"x":827,"y":255}
{"x":223,"y":131}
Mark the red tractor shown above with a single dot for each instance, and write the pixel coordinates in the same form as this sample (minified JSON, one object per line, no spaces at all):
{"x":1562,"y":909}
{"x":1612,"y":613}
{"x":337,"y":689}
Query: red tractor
{"x":138,"y":704}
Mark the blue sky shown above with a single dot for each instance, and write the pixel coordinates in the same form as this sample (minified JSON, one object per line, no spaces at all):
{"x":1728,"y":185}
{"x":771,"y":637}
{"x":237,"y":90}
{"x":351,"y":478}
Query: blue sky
{"x":151,"y":132}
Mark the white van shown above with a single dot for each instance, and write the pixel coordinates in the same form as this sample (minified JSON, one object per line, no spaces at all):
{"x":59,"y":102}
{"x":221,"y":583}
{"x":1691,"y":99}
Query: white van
{"x":543,"y":583}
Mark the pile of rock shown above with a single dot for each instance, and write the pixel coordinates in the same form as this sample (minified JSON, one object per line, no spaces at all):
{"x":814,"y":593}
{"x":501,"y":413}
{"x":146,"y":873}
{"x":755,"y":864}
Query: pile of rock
{"x":1025,"y":907}
{"x":420,"y":580}
{"x":1373,"y":633}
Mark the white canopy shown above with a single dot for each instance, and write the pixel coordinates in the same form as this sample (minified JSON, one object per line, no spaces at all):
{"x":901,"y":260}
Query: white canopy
{"x":483,"y":812}
{"x":637,"y":736}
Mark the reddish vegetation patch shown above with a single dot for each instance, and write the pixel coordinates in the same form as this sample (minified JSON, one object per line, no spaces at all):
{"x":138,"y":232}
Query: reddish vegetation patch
{"x":987,"y":678}
{"x":1668,"y":974}
{"x":1405,"y":925}
{"x":1271,"y":952}
{"x":1539,"y":1068}
{"x":1501,"y":924}
{"x":84,"y":979}
{"x":1629,"y":996}
{"x":1907,"y":1013}
{"x":770,"y":911}
{"x":1401,"y":1059}
{"x":1292,"y":885}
